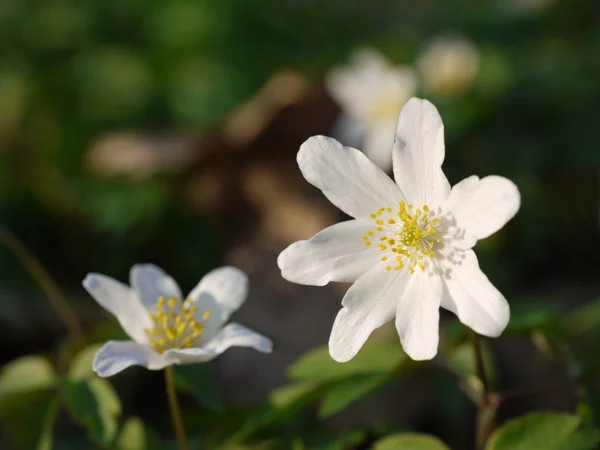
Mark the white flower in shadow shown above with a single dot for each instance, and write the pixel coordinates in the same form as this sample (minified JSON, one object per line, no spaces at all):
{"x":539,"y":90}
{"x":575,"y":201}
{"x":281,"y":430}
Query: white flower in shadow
{"x":166,"y":329}
{"x":371,"y":92}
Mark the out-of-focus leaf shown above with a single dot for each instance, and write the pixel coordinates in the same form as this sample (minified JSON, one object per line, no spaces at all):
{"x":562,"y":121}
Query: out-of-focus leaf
{"x":134,"y":435}
{"x":375,"y":356}
{"x":25,"y":375}
{"x":534,"y":317}
{"x":584,"y":319}
{"x":350,"y":390}
{"x":283,"y":402}
{"x":343,"y":441}
{"x":199,"y":381}
{"x":29,"y":424}
{"x":45,"y":440}
{"x":462,"y":362}
{"x":81,"y":365}
{"x":94,"y":403}
{"x":412,"y":441}
{"x":544,"y":431}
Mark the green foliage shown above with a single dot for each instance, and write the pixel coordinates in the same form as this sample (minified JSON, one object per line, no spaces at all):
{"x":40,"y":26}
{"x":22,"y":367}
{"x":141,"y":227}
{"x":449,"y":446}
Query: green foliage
{"x":374,"y":357}
{"x":349,"y":390}
{"x":544,"y":431}
{"x":198,"y":380}
{"x":412,"y":441}
{"x":93,"y":403}
{"x":24,"y":376}
{"x":134,"y":435}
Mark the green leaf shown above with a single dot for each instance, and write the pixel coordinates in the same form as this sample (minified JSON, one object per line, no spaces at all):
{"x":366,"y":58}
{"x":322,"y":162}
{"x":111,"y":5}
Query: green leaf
{"x":29,"y":424}
{"x":410,"y":441}
{"x":95,"y":404}
{"x":584,"y":319}
{"x":198,"y":380}
{"x":375,"y":356}
{"x":81,"y":365}
{"x":544,"y":431}
{"x":134,"y":435}
{"x":25,"y":375}
{"x":350,"y":390}
{"x":45,"y":440}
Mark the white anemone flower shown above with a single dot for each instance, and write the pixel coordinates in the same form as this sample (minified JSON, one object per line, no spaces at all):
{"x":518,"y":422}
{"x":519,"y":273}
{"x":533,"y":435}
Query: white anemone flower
{"x":371,"y":92}
{"x":408,"y":250}
{"x":166,"y":329}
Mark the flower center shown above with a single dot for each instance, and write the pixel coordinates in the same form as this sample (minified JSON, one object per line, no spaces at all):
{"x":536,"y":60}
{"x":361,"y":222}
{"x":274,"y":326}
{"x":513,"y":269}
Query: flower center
{"x":407,"y":238}
{"x":174,"y":326}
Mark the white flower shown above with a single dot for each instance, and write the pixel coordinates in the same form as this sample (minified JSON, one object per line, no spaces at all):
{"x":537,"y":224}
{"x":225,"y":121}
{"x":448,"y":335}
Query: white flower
{"x":408,"y":249}
{"x":449,"y":65}
{"x":371,"y":93}
{"x":166,"y":329}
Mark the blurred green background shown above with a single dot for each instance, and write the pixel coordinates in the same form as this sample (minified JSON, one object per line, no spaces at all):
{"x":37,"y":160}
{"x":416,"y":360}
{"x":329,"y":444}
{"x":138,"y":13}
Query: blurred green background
{"x":166,"y":132}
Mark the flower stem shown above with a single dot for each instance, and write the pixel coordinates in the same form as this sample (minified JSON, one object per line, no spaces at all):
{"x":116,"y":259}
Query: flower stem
{"x":46,"y":283}
{"x":487,"y":405}
{"x":175,"y":411}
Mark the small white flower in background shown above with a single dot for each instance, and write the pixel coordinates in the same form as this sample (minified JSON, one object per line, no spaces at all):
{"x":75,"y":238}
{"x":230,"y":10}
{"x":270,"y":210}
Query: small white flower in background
{"x":166,"y":329}
{"x":371,"y":92}
{"x":408,"y":249}
{"x":449,"y":66}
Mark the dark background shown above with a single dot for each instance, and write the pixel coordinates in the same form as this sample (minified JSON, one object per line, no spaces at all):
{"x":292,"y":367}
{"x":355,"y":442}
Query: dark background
{"x":166,"y":132}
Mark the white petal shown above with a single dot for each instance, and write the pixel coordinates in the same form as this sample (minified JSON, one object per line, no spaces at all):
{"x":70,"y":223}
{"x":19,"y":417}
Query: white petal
{"x":474,"y":299}
{"x":368,"y":304}
{"x":119,"y":300}
{"x":482,"y":207}
{"x":116,"y":356}
{"x":418,"y":316}
{"x":233,"y":335}
{"x":337,"y":253}
{"x":346,"y":176}
{"x":222,"y":291}
{"x":378,"y":145}
{"x":151,"y":282}
{"x":189,"y":355}
{"x":236,"y":335}
{"x":419,"y":153}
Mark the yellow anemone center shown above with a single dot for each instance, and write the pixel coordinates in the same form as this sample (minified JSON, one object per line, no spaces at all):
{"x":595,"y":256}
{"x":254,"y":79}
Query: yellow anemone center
{"x":174,"y":325}
{"x":407,"y":237}
{"x":384,"y":108}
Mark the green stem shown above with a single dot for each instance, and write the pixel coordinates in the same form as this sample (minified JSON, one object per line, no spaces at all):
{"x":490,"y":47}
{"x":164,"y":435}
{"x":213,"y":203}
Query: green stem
{"x":487,"y":405}
{"x":45,"y":282}
{"x":175,"y":411}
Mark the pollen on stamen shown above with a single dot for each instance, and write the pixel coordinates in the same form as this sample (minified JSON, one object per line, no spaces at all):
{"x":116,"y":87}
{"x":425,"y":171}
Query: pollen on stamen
{"x":409,"y":234}
{"x":174,"y":325}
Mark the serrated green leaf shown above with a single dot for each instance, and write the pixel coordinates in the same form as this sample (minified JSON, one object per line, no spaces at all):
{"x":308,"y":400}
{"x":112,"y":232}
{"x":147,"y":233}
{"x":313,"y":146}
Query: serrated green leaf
{"x":134,"y":435}
{"x":349,"y":390}
{"x":199,"y":381}
{"x":81,"y":365}
{"x":25,"y":375}
{"x":93,"y":403}
{"x":412,"y":441}
{"x":539,"y":430}
{"x":375,"y":356}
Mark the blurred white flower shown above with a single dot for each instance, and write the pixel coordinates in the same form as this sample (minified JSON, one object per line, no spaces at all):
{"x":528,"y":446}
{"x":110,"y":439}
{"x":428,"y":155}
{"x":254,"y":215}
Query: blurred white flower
{"x":371,"y":93}
{"x":166,"y":329}
{"x":408,"y":249}
{"x":449,"y":65}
